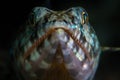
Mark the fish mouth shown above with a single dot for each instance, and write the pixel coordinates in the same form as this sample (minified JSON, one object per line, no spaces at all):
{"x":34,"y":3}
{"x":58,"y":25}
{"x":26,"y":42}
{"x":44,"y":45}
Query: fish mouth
{"x":47,"y":34}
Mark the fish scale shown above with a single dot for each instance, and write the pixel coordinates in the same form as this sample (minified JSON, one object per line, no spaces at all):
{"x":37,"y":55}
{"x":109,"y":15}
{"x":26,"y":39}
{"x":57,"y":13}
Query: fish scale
{"x":57,"y":43}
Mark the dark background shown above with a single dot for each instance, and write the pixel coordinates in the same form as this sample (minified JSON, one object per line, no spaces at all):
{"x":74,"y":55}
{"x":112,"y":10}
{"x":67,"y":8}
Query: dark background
{"x":104,"y":16}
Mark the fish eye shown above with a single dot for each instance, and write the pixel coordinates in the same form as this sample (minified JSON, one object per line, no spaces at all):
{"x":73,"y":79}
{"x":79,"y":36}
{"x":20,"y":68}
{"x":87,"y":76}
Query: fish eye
{"x":84,"y":18}
{"x":31,"y":19}
{"x":36,"y":14}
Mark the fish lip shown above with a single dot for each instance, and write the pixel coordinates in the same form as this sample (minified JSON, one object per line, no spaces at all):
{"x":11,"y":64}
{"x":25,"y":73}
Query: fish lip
{"x":50,"y":31}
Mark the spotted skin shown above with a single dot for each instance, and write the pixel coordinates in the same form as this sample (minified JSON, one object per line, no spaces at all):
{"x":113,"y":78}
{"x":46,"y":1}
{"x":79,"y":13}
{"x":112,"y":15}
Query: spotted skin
{"x":47,"y":31}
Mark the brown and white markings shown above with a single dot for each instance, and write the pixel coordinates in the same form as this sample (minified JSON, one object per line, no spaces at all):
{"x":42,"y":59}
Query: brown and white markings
{"x":57,"y":45}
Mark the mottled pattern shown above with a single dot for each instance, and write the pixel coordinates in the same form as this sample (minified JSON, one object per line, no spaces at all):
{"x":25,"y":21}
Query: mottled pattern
{"x":45,"y":31}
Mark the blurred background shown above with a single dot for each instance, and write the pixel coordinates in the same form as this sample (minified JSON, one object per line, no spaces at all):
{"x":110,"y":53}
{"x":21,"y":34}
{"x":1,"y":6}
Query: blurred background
{"x":104,"y":16}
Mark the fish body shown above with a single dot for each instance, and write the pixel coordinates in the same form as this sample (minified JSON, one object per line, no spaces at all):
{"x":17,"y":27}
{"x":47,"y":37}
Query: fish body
{"x":57,"y":45}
